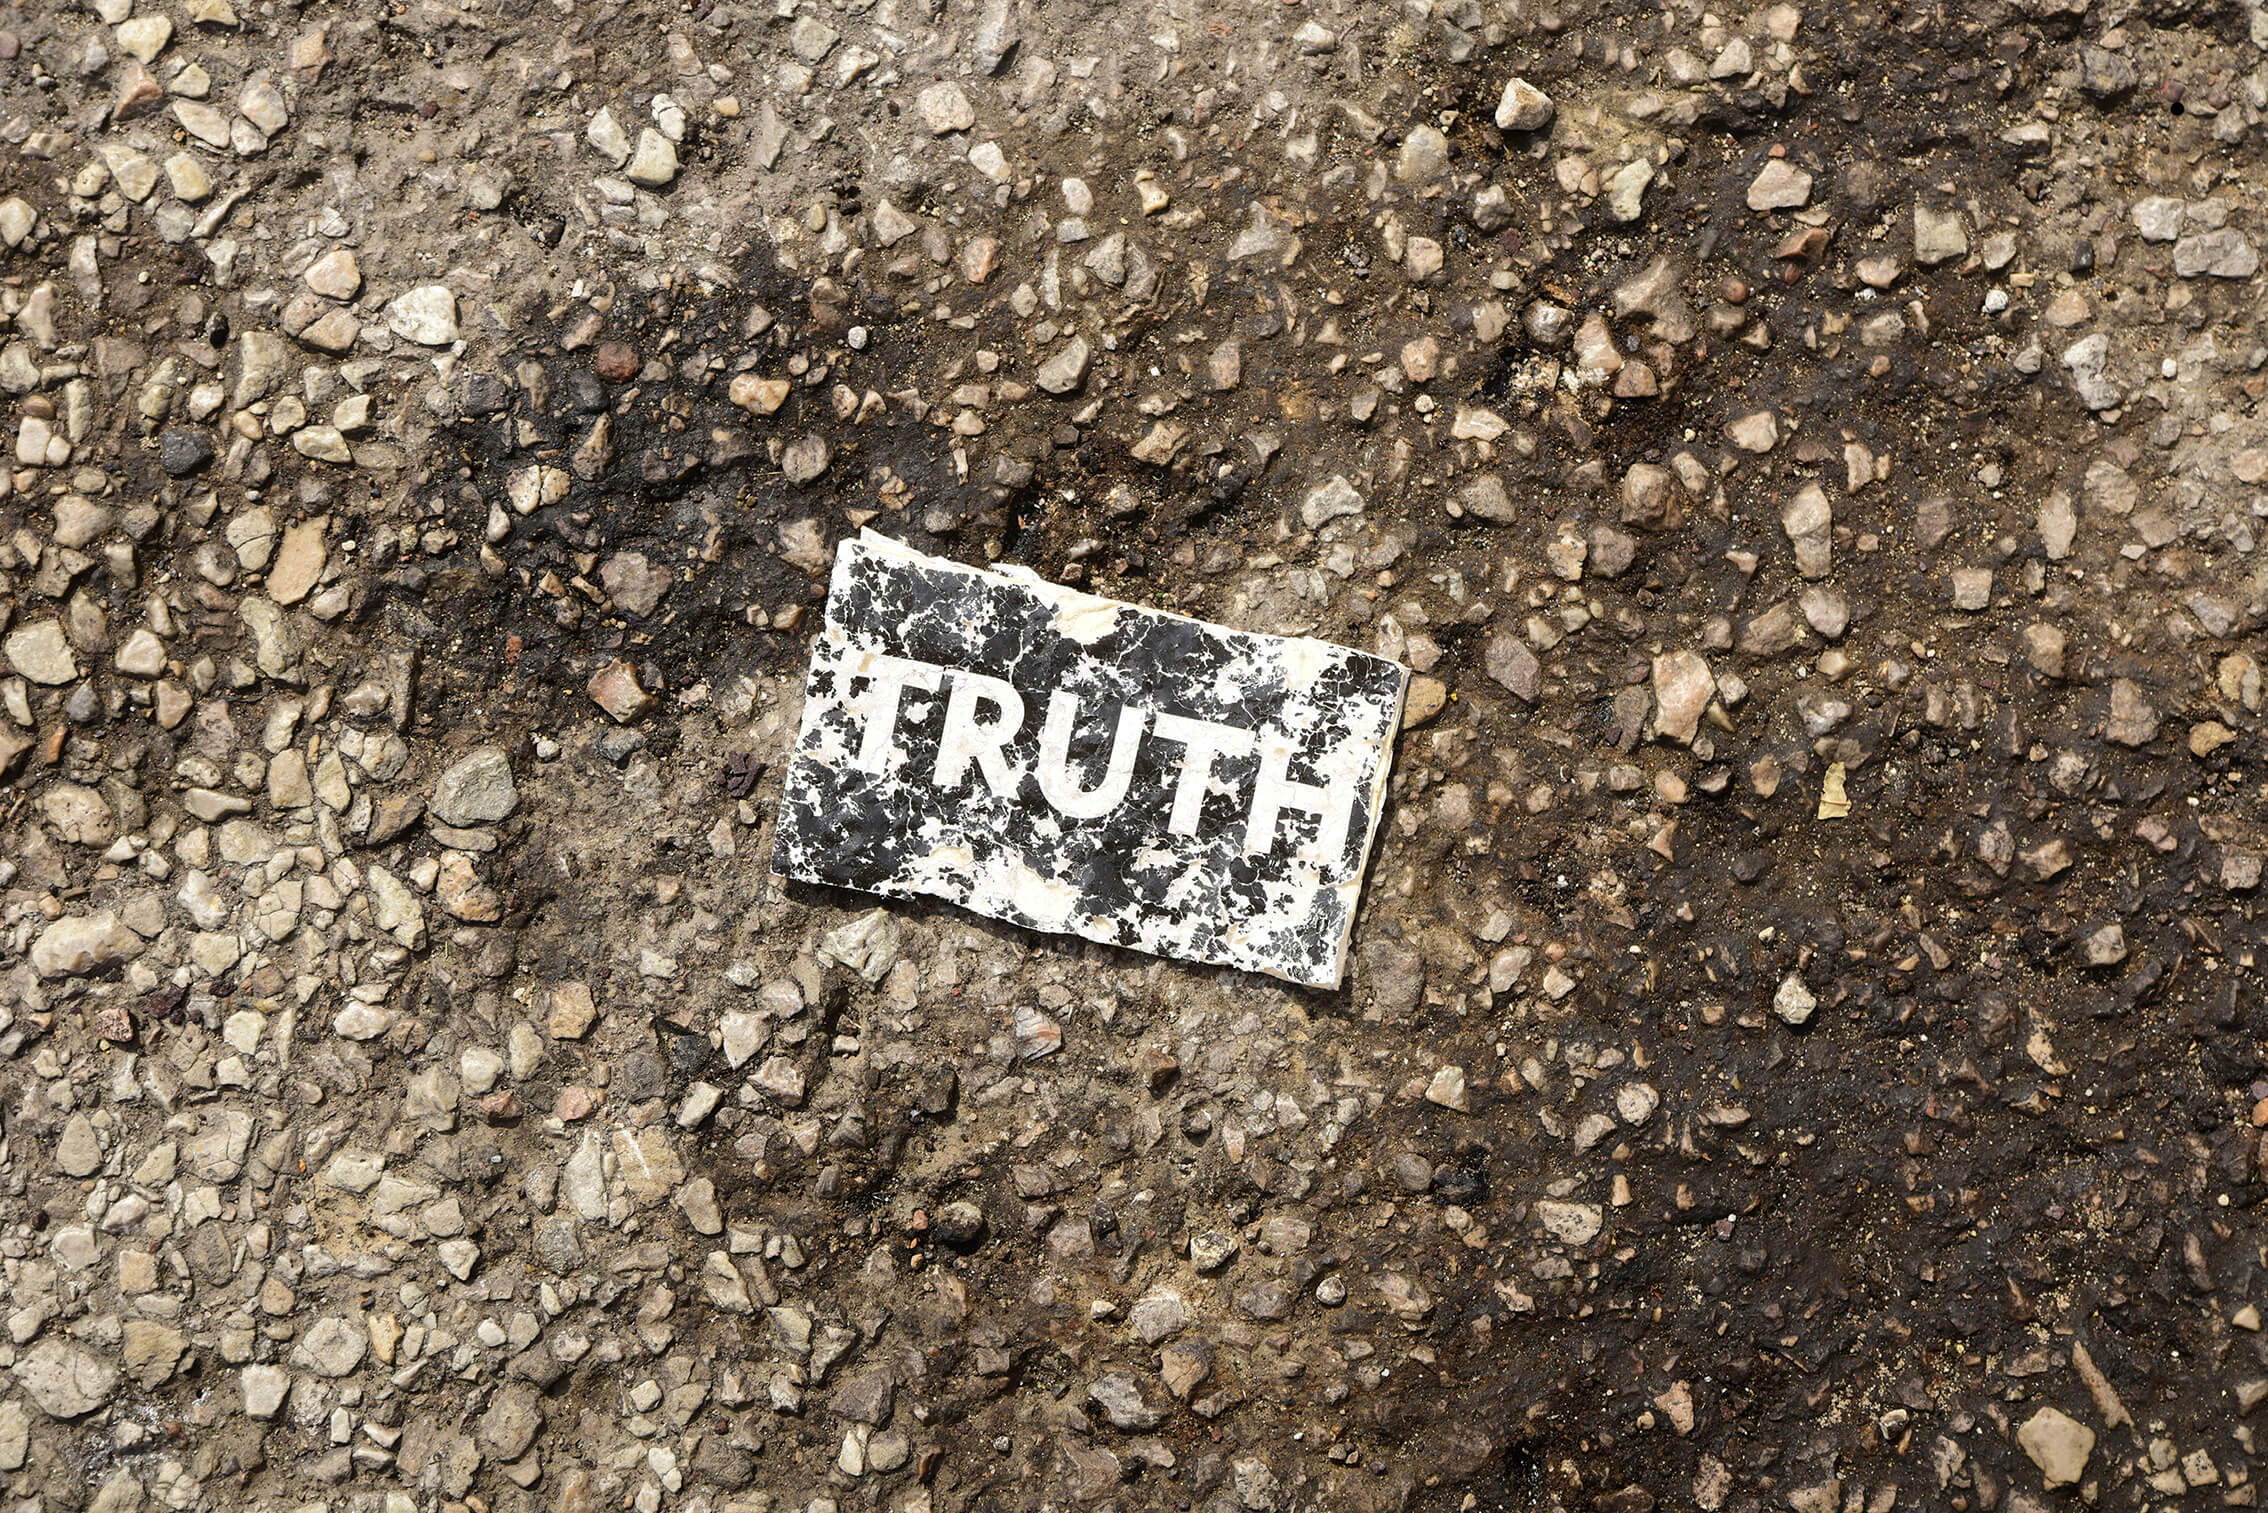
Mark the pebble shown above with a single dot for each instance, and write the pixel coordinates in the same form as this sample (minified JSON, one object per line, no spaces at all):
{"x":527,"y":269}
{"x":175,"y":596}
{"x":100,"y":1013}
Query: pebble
{"x":944,"y":109}
{"x":607,"y":137}
{"x":426,"y":315}
{"x":1570,"y":1223}
{"x":41,"y":652}
{"x":335,"y":275}
{"x":1523,"y":107}
{"x":1063,"y":372}
{"x":1779,"y":185}
{"x":476,"y":789}
{"x":2058,"y":1444}
{"x":654,"y":164}
{"x":615,"y":689}
{"x":1683,"y":687}
{"x":1794,"y":1001}
{"x":66,"y":1380}
{"x":1939,"y":236}
{"x":80,"y":944}
{"x":2223,"y":253}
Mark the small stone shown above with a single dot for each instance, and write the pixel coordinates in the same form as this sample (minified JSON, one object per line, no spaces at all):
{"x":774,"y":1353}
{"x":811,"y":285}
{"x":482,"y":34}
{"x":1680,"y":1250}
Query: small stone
{"x":615,"y":689}
{"x":806,"y":458}
{"x":299,"y":562}
{"x":1939,"y":236}
{"x":1212,"y":1249}
{"x":756,"y":395}
{"x":79,"y":945}
{"x":2107,"y":946}
{"x":1781,"y":185}
{"x":1448,"y":1089}
{"x":780,"y":1078}
{"x":190,"y":182}
{"x":2221,"y":253}
{"x":334,"y":275}
{"x":65,"y":1379}
{"x":476,"y":789}
{"x":606,"y":136}
{"x":1570,"y":1223}
{"x":1757,"y":433}
{"x":1067,"y":369}
{"x":654,"y":165}
{"x":1794,"y":1001}
{"x":2157,"y":217}
{"x":322,"y":444}
{"x":2058,"y":1444}
{"x":334,"y":1347}
{"x":138,"y":93}
{"x":944,"y":109}
{"x":264,"y":1388}
{"x":2133,"y":722}
{"x":514,"y":1416}
{"x":1121,"y":1402}
{"x":203,"y":122}
{"x":41,"y":652}
{"x":1683,"y":687}
{"x":1511,"y":664}
{"x":264,"y":106}
{"x":78,"y":1153}
{"x":1423,"y":155}
{"x":572,"y":1011}
{"x":144,"y":37}
{"x":1037,"y":1034}
{"x":1523,"y":108}
{"x":1330,"y":501}
{"x":426,"y":315}
{"x":1158,"y":1316}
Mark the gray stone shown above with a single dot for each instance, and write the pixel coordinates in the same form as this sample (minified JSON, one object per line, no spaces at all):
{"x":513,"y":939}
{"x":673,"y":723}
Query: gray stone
{"x":654,"y":165}
{"x":2223,"y":253}
{"x":510,"y":1424}
{"x":1330,"y":500}
{"x":334,"y":1347}
{"x":78,"y":1153}
{"x":80,"y":944}
{"x":1158,"y":1316}
{"x":265,"y":1388}
{"x":475,"y":790}
{"x":1121,"y":1402}
{"x":1794,"y":1001}
{"x":607,"y":138}
{"x":2058,"y":1444}
{"x":944,"y":108}
{"x":1523,"y":107}
{"x":41,"y":652}
{"x":1570,"y":1223}
{"x":65,"y":1379}
{"x":865,"y":1398}
{"x":806,"y":458}
{"x":1423,"y":155}
{"x":2157,"y":217}
{"x":1939,"y":236}
{"x":426,"y":315}
{"x":1067,"y":369}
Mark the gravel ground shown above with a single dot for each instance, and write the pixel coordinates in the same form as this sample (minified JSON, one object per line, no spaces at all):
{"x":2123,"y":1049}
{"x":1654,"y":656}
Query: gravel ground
{"x":1804,"y":1048}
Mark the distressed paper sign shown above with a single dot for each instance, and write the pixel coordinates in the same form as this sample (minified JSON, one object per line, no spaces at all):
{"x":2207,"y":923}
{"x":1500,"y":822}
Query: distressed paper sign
{"x":1073,"y":764}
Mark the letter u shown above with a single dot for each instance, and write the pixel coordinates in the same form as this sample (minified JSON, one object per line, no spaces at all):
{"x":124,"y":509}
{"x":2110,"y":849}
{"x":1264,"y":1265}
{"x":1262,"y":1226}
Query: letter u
{"x":1056,"y":779}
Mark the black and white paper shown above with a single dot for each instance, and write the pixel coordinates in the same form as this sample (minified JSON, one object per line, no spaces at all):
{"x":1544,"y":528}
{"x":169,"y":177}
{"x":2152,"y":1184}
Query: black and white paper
{"x":1075,"y":764}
